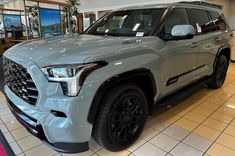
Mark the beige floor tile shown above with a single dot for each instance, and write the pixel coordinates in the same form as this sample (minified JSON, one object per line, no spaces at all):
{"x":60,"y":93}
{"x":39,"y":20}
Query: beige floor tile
{"x":209,"y":106}
{"x":28,"y":142}
{"x":195,"y":117}
{"x":20,"y":133}
{"x":9,"y":137}
{"x":220,"y":150}
{"x":169,"y":117}
{"x":136,"y":145}
{"x":222,"y":117}
{"x":233,"y":122}
{"x":94,"y":145}
{"x":203,"y":111}
{"x":5,"y":111}
{"x":227,"y":140}
{"x":148,"y":133}
{"x":87,"y":153}
{"x":8,"y":118}
{"x":230,"y":130}
{"x":227,"y":109}
{"x":158,"y":124}
{"x":207,"y":132}
{"x":222,"y":96}
{"x":215,"y":101}
{"x":215,"y":124}
{"x":3,"y":128}
{"x":186,"y":124}
{"x":13,"y":125}
{"x":15,"y":147}
{"x":105,"y":152}
{"x":41,"y":150}
{"x":178,"y":111}
{"x":192,"y":106}
{"x":149,"y":150}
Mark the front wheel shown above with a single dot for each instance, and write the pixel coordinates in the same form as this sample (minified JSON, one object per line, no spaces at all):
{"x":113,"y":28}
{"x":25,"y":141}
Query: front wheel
{"x":121,"y":118}
{"x":219,"y":75}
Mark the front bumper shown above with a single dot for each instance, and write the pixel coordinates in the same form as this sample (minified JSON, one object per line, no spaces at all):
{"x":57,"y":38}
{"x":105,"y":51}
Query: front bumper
{"x":30,"y":124}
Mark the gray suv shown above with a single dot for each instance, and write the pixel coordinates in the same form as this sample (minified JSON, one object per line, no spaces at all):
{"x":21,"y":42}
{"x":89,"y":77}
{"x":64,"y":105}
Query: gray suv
{"x":104,"y":82}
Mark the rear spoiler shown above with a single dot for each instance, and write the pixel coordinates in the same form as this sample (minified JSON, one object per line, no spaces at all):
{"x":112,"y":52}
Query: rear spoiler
{"x":201,"y":3}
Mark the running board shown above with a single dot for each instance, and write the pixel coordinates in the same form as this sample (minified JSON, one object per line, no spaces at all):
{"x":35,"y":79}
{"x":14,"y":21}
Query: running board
{"x":183,"y":93}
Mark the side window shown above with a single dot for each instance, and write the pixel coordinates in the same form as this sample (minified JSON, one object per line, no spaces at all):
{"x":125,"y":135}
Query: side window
{"x":218,"y":20}
{"x":201,"y":21}
{"x":177,"y":17}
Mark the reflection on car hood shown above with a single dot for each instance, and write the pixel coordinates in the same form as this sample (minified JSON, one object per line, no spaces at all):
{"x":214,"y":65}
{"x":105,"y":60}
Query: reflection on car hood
{"x":67,"y":49}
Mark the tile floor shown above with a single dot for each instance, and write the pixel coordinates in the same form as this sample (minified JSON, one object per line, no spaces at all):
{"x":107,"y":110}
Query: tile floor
{"x":202,"y":124}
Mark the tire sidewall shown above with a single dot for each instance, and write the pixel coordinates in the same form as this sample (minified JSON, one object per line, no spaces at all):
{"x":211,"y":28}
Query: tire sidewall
{"x":108,"y":105}
{"x":221,"y":59}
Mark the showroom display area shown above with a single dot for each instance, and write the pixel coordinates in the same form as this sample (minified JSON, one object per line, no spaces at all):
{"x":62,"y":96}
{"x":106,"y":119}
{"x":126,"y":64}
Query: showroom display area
{"x":36,"y":19}
{"x":149,"y":79}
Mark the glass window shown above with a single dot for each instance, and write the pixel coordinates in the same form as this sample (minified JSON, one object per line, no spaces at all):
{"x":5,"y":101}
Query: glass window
{"x":127,"y":23}
{"x":218,"y":20}
{"x":201,"y":21}
{"x":176,"y":17}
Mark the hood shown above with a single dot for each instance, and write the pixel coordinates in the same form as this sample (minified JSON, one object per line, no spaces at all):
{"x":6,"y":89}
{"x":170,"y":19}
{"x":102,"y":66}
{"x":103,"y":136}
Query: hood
{"x":67,"y":49}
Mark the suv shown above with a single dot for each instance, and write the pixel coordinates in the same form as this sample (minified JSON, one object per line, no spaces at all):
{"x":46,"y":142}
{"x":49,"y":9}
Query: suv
{"x":104,"y":82}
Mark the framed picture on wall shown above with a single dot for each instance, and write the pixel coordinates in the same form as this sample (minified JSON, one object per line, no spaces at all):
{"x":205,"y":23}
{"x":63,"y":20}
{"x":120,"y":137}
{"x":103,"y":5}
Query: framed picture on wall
{"x":12,"y":22}
{"x":50,"y":21}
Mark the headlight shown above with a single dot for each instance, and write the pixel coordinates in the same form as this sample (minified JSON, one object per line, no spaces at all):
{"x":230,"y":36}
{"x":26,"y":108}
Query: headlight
{"x":71,"y":77}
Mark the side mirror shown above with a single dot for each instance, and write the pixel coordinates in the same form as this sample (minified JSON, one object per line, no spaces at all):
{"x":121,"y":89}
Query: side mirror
{"x":182,"y":32}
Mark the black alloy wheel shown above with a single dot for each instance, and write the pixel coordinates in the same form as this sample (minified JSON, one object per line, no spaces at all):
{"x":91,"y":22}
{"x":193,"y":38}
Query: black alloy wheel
{"x":220,"y":72}
{"x":121,"y":118}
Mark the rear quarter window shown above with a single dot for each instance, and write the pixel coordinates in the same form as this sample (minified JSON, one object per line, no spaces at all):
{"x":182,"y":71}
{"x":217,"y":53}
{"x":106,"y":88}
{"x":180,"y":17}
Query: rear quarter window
{"x":218,"y":20}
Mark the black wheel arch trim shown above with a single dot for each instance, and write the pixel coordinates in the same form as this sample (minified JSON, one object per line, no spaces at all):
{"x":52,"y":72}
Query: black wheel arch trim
{"x":96,"y":102}
{"x":219,"y":52}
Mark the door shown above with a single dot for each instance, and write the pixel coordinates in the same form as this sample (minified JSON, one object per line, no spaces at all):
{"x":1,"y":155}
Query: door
{"x":178,"y":58}
{"x":205,"y":38}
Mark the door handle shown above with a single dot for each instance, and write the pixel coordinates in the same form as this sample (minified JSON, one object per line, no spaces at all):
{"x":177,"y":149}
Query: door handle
{"x":194,"y":45}
{"x":218,"y":39}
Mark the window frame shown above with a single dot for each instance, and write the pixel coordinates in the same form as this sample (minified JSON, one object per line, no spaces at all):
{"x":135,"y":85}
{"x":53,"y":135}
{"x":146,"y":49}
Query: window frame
{"x":169,"y":11}
{"x":192,"y":21}
{"x":151,"y":33}
{"x":221,"y":15}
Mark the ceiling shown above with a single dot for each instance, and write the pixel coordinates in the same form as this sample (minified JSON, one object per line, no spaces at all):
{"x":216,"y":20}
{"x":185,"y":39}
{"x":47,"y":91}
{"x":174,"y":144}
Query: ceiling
{"x":5,"y":1}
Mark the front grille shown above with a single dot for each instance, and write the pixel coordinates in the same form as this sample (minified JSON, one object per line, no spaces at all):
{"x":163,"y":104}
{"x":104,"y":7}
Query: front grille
{"x":20,"y":81}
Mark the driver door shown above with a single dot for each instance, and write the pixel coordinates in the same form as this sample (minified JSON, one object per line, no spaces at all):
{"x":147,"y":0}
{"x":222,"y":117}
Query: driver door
{"x":179,"y":57}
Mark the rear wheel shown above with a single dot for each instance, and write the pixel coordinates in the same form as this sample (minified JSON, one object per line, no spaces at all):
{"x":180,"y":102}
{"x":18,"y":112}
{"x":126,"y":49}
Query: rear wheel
{"x":219,"y":75}
{"x":121,"y":117}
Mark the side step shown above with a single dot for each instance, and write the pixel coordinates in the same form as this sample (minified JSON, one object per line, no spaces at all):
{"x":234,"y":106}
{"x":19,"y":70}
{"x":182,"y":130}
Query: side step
{"x":183,"y":93}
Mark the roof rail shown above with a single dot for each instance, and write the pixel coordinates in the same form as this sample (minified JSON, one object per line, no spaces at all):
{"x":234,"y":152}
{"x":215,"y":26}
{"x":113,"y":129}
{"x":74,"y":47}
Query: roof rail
{"x":201,"y":3}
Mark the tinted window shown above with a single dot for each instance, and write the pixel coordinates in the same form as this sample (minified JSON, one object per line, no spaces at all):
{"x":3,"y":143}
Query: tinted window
{"x":176,"y":17}
{"x":219,"y":21}
{"x":127,"y":23}
{"x":201,"y":21}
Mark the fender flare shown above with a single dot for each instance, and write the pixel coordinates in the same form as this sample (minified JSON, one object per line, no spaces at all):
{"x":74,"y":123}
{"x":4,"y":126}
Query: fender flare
{"x":219,"y":52}
{"x":115,"y":80}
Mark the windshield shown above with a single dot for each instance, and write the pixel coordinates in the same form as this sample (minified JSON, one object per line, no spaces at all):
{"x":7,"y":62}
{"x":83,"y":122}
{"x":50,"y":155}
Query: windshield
{"x":127,"y":23}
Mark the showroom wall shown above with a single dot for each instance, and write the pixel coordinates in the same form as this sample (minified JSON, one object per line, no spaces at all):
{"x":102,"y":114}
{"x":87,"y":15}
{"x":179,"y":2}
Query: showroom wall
{"x":102,"y":5}
{"x":231,"y":17}
{"x":98,"y":5}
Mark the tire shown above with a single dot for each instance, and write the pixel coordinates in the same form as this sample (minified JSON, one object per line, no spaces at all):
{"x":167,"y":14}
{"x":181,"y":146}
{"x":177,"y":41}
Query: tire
{"x":220,"y":72}
{"x":121,"y":118}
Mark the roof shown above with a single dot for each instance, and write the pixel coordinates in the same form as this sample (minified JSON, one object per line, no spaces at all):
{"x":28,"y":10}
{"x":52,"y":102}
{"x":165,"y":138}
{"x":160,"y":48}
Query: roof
{"x":198,"y":4}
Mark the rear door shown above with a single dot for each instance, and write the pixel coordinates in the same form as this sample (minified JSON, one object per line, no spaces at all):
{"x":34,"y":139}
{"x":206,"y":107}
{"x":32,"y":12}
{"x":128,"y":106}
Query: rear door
{"x":205,"y":37}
